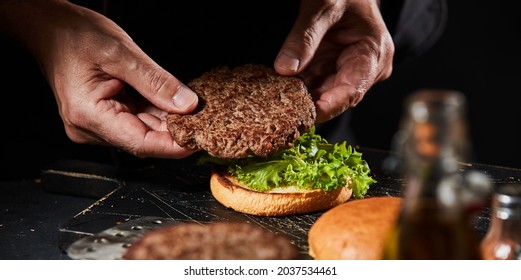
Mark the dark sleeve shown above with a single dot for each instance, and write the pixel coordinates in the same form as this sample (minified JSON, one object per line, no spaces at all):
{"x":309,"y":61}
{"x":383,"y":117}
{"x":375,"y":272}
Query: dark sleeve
{"x":414,"y":25}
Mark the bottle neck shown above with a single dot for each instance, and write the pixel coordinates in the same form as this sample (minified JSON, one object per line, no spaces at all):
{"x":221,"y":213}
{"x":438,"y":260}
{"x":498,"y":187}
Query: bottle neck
{"x":506,"y":210}
{"x":503,"y":239}
{"x":435,"y":182}
{"x":510,"y":223}
{"x":508,"y":220}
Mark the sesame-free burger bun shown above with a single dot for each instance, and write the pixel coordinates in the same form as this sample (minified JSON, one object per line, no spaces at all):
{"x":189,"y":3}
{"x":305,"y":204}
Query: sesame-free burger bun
{"x":281,"y":201}
{"x":355,"y":230}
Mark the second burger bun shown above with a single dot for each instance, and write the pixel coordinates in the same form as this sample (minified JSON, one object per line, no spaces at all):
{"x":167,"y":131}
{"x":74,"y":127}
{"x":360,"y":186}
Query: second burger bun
{"x":281,"y":201}
{"x":355,"y":230}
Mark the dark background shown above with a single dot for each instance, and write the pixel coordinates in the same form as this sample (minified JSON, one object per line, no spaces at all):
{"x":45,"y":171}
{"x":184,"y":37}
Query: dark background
{"x":478,"y":55}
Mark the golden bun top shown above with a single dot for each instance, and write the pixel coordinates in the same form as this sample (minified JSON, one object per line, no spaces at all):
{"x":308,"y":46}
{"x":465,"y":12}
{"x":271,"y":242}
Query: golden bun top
{"x":355,"y":230}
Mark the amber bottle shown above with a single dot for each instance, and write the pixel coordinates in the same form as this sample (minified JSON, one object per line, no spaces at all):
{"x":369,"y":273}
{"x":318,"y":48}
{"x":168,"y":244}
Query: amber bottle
{"x":434,"y":222}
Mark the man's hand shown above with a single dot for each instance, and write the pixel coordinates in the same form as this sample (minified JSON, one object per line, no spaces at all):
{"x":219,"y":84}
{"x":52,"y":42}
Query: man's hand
{"x":87,"y":60}
{"x":340,"y":48}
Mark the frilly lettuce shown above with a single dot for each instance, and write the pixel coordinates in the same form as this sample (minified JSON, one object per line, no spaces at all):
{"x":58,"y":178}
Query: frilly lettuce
{"x":312,"y":163}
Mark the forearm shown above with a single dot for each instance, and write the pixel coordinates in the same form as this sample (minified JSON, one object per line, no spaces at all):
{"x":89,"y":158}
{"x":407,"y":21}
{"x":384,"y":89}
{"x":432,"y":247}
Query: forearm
{"x":29,"y":22}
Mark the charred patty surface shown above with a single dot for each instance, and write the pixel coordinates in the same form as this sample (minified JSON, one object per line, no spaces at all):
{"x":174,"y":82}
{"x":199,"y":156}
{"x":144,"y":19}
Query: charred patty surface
{"x":246,"y":110}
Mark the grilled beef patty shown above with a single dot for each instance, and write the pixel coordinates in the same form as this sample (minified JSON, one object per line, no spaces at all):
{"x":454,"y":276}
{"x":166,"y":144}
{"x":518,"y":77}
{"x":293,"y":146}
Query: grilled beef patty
{"x":246,"y":110}
{"x":215,"y":241}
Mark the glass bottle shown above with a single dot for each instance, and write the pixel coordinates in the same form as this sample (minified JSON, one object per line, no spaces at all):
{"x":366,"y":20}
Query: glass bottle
{"x":503,"y":238}
{"x":435,"y":221}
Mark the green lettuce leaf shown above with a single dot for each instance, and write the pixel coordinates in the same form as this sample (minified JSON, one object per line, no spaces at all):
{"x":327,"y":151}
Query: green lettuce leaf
{"x":312,"y":163}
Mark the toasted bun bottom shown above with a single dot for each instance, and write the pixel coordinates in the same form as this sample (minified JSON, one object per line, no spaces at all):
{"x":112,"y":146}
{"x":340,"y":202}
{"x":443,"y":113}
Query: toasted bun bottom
{"x":282,"y":202}
{"x":355,"y":230}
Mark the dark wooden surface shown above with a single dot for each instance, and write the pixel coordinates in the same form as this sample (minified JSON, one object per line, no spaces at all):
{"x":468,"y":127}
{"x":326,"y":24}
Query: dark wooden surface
{"x":105,"y":196}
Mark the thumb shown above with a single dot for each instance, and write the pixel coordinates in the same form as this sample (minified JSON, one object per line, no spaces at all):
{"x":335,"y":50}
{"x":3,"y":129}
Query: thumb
{"x":156,"y":84}
{"x":314,"y":20}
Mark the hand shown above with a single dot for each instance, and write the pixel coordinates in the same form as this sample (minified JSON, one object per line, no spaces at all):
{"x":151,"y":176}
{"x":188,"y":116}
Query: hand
{"x":87,"y":60}
{"x":340,"y":49}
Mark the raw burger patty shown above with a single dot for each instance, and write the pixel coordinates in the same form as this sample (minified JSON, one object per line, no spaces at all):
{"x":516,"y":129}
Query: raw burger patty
{"x":246,"y":110}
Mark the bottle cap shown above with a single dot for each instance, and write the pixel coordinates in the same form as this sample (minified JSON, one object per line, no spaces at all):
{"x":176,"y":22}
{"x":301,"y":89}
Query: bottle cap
{"x":507,"y":200}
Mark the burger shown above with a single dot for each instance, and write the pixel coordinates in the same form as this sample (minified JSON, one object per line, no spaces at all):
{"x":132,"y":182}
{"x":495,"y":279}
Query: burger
{"x":257,"y":129}
{"x":310,"y":176}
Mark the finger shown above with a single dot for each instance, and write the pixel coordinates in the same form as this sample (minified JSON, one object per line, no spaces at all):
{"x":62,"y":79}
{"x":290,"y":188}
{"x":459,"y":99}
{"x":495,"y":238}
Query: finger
{"x":314,"y":20}
{"x":158,"y":141}
{"x":358,"y":71}
{"x":146,"y":107}
{"x":335,"y":101}
{"x":109,"y":122}
{"x":137,"y":135}
{"x":153,"y":82}
{"x":81,"y":115}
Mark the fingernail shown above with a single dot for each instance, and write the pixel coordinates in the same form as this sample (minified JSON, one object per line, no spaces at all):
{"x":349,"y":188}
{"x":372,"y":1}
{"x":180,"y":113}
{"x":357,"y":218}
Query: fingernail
{"x":184,"y":97}
{"x":288,"y":61}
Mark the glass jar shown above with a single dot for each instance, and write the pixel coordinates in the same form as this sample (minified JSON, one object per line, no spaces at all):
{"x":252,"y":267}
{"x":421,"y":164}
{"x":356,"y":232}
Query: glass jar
{"x":503,"y":238}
